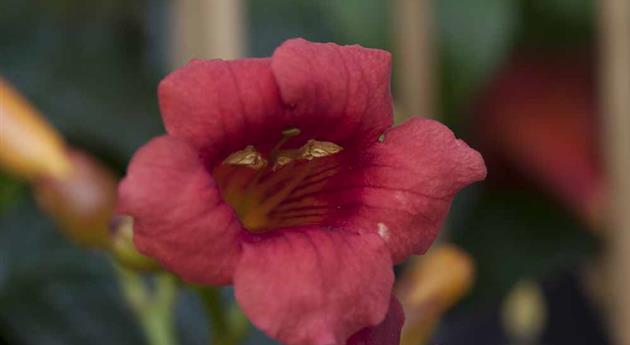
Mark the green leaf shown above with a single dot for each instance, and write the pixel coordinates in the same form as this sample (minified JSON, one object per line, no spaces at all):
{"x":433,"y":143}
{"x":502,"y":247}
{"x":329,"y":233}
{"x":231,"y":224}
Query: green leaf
{"x":513,"y":234}
{"x":52,"y":292}
{"x":365,"y":22}
{"x":473,"y":37}
{"x":10,"y":190}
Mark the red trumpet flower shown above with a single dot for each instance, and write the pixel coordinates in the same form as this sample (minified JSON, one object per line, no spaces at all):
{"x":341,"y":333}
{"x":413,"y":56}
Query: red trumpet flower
{"x":272,"y":177}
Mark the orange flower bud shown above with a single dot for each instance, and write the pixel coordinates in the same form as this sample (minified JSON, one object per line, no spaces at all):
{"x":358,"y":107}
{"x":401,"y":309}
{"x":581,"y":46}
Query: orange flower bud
{"x":82,"y":202}
{"x":29,"y":146}
{"x":124,"y":249}
{"x":430,"y":286}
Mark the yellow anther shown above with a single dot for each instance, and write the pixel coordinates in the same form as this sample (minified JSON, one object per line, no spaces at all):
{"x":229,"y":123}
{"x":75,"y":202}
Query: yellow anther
{"x":278,"y":174}
{"x":283,"y":158}
{"x":318,"y":149}
{"x":247,"y":157}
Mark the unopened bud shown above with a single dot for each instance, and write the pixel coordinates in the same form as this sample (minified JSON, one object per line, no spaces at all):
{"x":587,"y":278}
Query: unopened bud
{"x":82,"y":202}
{"x":29,"y":146}
{"x":430,"y":286}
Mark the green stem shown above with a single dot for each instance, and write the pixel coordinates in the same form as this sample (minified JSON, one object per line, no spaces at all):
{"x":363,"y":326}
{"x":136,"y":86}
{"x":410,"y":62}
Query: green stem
{"x":239,"y":324}
{"x":211,"y":298}
{"x":229,"y":327}
{"x":153,"y":309}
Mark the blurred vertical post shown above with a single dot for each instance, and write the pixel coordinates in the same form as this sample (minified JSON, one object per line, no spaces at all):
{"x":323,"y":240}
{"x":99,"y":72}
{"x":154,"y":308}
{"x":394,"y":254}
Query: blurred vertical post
{"x":615,"y":93}
{"x":414,"y":63}
{"x":207,"y":29}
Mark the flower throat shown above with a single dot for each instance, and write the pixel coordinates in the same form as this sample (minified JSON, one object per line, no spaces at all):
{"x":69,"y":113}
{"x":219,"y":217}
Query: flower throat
{"x":279,"y":189}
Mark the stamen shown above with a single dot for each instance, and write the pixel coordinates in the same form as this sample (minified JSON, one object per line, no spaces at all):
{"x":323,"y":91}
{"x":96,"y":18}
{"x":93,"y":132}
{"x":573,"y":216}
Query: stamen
{"x":318,"y":149}
{"x":286,"y":135}
{"x":278,"y":190}
{"x":284,"y":158}
{"x":247,"y":157}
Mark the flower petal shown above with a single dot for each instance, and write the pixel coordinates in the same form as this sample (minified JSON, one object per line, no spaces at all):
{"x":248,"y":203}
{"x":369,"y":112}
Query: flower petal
{"x":222,"y":105}
{"x":402,"y":188}
{"x":337,"y":90}
{"x":180,"y":218}
{"x":314,"y":287}
{"x":385,"y":333}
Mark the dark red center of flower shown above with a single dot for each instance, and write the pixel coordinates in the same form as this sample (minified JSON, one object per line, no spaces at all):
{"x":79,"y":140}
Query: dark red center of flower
{"x":278,"y":189}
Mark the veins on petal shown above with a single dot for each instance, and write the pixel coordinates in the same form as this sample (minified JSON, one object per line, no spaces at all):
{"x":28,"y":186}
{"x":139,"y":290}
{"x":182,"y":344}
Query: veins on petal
{"x":267,"y":189}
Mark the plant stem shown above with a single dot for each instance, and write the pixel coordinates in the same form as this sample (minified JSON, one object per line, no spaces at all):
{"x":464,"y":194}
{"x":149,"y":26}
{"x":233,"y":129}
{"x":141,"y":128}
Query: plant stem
{"x":229,"y":325}
{"x":211,"y":298}
{"x":153,"y":309}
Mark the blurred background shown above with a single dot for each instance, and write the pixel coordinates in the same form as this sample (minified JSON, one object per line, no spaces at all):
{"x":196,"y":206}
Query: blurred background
{"x":517,"y":79}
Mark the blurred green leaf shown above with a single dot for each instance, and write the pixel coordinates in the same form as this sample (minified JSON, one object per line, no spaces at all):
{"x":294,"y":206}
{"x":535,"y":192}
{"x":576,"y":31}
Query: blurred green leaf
{"x":365,"y":22}
{"x":10,"y":190}
{"x":87,"y":70}
{"x":271,"y":22}
{"x":54,"y":293}
{"x":572,"y":10}
{"x":473,"y":37}
{"x":557,"y":24}
{"x":513,"y":234}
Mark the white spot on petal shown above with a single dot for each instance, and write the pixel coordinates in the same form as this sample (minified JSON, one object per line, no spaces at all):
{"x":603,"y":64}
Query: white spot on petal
{"x":383,"y":231}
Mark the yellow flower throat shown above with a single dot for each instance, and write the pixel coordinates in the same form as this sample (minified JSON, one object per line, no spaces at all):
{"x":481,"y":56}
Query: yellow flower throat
{"x":278,"y":191}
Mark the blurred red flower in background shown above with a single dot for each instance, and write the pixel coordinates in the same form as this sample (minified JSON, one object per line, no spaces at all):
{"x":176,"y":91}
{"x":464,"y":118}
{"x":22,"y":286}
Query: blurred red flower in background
{"x":272,"y":177}
{"x":539,"y":115}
